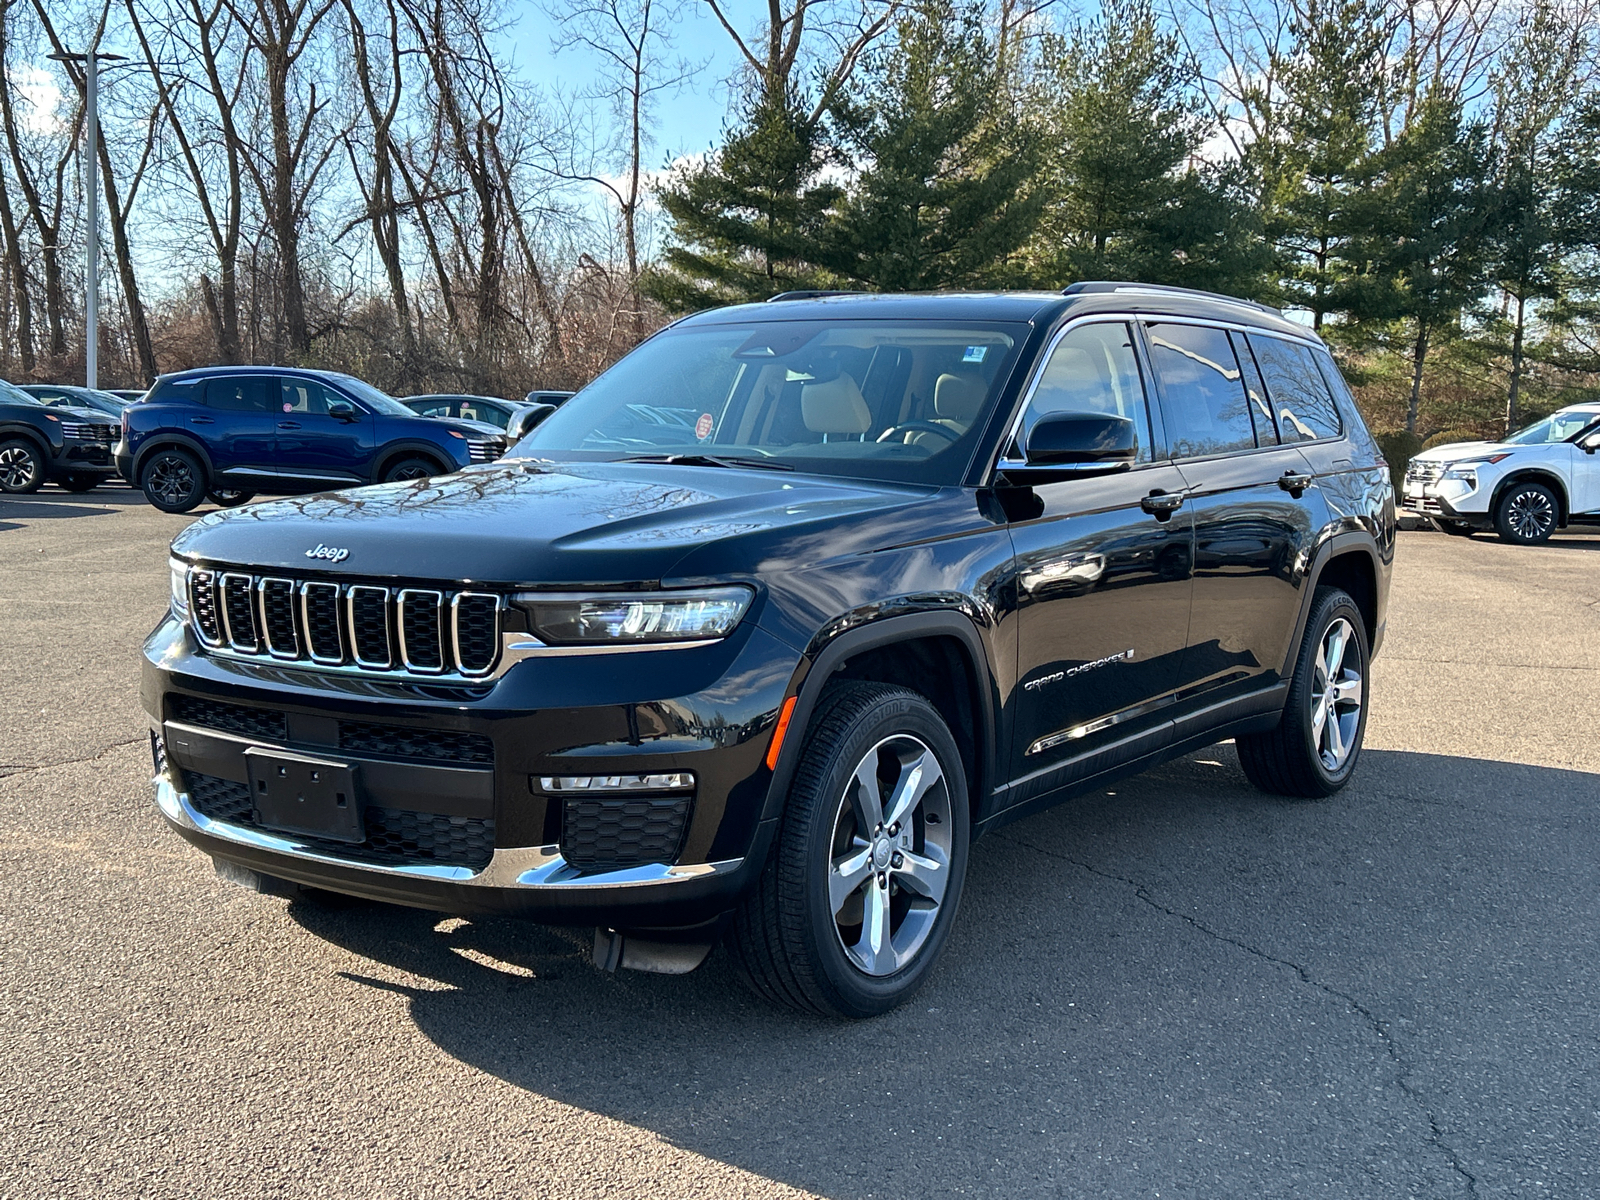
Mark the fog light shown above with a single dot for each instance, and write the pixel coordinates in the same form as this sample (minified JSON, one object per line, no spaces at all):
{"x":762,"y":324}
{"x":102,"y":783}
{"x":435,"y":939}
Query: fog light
{"x":672,"y":781}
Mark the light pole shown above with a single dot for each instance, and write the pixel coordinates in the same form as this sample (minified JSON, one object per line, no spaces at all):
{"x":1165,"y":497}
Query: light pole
{"x":91,"y":272}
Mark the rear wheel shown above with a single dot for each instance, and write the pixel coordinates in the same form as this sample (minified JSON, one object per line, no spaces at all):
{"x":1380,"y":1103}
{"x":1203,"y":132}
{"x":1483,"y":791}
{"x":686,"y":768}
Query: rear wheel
{"x":1315,"y":746}
{"x":80,"y":483}
{"x":21,"y":467}
{"x":173,"y":480}
{"x":411,"y":468}
{"x":1527,"y":514}
{"x":859,"y":895}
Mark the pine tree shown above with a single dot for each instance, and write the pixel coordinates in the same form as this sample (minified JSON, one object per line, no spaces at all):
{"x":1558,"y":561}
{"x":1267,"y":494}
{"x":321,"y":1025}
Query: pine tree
{"x":941,"y":196}
{"x":1128,"y":194}
{"x":749,"y":222}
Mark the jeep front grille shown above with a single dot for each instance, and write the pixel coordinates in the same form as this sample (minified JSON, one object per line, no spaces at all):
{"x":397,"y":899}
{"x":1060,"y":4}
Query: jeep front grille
{"x":414,"y":631}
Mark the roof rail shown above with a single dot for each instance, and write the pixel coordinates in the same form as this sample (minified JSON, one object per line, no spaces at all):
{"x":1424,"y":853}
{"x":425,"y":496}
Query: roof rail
{"x":810,"y":294}
{"x":1099,"y":286}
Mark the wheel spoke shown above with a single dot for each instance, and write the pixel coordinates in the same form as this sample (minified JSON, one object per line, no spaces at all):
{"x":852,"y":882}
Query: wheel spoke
{"x":1333,"y":650}
{"x":1333,"y":737}
{"x":1319,"y":717}
{"x":846,"y":876}
{"x":913,"y":784}
{"x":923,"y":874}
{"x":876,"y":949}
{"x":1348,"y":690}
{"x":868,"y":801}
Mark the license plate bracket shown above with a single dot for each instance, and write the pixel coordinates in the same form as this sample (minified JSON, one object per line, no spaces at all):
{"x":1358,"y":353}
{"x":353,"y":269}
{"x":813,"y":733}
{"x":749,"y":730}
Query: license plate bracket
{"x":300,"y":793}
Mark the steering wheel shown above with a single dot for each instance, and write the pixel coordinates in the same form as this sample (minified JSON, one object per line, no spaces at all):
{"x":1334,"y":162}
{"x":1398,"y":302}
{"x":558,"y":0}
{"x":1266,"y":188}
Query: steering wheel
{"x":918,"y":427}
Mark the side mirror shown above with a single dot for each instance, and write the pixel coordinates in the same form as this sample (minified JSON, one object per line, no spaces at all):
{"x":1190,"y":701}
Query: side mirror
{"x":525,"y":420}
{"x":1591,"y":443}
{"x":1069,"y":445}
{"x":343,"y":410}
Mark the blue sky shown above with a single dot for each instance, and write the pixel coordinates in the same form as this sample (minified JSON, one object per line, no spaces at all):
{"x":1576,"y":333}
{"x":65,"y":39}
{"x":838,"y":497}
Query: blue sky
{"x":688,"y":123}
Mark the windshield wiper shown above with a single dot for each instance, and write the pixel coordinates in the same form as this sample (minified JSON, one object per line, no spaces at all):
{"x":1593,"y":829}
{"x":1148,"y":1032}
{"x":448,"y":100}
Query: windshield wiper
{"x":707,"y":460}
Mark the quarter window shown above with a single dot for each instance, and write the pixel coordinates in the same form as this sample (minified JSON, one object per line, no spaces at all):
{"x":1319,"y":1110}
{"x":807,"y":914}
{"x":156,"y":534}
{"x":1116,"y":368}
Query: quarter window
{"x":1205,"y":407}
{"x":1301,"y":401}
{"x":1093,"y":368}
{"x":1256,"y":391}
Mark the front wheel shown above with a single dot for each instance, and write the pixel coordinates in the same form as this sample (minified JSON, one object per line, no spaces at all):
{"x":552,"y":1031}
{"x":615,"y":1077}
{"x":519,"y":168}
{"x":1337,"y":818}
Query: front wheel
{"x":21,"y":467}
{"x":1314,"y":748}
{"x":410,"y":468}
{"x":173,"y":481}
{"x":1526,"y":514}
{"x":79,"y":483}
{"x":860,"y":892}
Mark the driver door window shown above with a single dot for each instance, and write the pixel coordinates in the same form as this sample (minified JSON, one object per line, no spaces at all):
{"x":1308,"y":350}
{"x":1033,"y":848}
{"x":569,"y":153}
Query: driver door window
{"x":1092,"y":369}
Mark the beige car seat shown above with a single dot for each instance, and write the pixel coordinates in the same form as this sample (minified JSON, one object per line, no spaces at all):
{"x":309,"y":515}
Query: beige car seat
{"x":957,"y":400}
{"x":835,"y":406}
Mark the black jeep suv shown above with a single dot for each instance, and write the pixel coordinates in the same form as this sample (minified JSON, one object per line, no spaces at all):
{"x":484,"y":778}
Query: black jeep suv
{"x":38,"y":443}
{"x":754,"y":635}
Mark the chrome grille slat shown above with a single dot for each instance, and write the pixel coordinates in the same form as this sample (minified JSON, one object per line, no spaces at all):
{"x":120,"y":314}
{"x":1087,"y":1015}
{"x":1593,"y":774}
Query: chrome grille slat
{"x":425,"y":632}
{"x":421,"y":640}
{"x":239,"y":612}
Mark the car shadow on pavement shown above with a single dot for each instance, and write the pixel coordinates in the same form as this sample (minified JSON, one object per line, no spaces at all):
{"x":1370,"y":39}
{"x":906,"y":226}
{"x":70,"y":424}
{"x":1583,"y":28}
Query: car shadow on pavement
{"x":1177,"y":979}
{"x":52,"y":502}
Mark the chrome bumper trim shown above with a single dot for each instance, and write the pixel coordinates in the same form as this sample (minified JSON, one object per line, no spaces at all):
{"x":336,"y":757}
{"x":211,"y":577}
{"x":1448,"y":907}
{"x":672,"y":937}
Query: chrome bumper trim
{"x":524,"y":868}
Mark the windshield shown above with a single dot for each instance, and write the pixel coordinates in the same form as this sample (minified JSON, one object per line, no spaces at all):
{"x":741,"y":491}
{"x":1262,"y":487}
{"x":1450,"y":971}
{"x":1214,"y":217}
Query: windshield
{"x":12,"y":394}
{"x":370,"y":396}
{"x":1557,"y":428}
{"x":903,"y":400}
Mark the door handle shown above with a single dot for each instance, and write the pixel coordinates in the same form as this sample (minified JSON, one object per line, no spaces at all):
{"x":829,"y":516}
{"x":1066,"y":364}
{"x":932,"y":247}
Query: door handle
{"x":201,"y":421}
{"x":1162,"y":505}
{"x":1294,"y":482}
{"x":288,"y":424}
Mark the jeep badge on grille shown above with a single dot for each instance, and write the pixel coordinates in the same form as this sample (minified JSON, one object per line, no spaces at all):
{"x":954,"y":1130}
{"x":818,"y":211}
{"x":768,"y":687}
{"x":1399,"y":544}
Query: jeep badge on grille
{"x":331,"y":553}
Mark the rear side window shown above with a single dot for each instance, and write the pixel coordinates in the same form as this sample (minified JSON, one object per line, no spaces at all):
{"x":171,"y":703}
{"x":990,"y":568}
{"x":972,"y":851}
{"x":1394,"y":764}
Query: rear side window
{"x":1301,"y":403}
{"x":248,"y":394}
{"x":1204,"y":401}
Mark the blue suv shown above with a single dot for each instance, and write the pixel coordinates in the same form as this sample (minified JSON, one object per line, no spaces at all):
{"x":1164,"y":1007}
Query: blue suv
{"x":227,"y":433}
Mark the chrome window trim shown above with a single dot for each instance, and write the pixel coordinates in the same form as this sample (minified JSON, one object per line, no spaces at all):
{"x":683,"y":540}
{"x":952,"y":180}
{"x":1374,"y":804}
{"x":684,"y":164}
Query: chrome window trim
{"x":438,"y":625}
{"x":266,"y":625}
{"x":1014,"y":426}
{"x":350,"y":626}
{"x":194,"y":617}
{"x":227,"y":621}
{"x":455,"y":633}
{"x":305,"y":621}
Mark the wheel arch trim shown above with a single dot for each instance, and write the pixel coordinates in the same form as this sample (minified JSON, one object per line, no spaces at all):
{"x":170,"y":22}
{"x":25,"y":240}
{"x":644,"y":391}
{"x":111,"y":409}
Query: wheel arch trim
{"x":818,"y":666}
{"x":165,"y":440}
{"x":1338,"y":546}
{"x":1533,"y":475}
{"x":386,"y":454}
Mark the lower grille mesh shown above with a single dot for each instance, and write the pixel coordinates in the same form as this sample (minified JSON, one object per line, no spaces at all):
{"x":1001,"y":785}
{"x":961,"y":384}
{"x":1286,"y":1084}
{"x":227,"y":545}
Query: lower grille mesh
{"x":598,"y":834}
{"x":394,"y":836}
{"x":230,"y":718}
{"x":438,"y":745}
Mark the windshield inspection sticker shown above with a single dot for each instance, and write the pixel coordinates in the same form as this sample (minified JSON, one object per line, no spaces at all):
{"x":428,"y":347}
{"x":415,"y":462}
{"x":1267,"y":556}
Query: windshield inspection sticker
{"x":975,"y":354}
{"x":702,"y":427}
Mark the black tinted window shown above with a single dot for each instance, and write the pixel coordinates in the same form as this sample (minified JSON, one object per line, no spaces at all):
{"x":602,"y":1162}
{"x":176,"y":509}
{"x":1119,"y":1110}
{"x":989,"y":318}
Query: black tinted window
{"x":1092,"y":369}
{"x":1203,"y":391}
{"x":1256,"y":390}
{"x":1300,"y":397}
{"x":248,"y":394}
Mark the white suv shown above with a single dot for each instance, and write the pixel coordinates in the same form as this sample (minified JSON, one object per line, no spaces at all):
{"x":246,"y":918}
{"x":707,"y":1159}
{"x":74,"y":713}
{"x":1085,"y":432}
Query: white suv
{"x":1538,"y":479}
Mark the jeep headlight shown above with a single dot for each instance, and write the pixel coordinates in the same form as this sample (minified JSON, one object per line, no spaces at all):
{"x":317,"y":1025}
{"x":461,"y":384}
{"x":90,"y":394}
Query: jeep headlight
{"x":636,"y":617}
{"x":179,"y":574}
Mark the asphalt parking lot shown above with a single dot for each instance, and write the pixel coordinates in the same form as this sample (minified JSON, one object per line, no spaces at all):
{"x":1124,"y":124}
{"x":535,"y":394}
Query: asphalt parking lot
{"x":1181,"y":987}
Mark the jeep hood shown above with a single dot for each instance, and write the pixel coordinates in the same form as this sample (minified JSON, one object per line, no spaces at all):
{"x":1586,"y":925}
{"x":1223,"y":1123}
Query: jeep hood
{"x":525,"y":522}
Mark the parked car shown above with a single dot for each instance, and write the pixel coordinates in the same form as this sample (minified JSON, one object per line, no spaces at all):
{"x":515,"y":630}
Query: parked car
{"x":129,"y":395}
{"x":89,"y":399}
{"x":67,"y":446}
{"x":1524,"y":488}
{"x":234,"y":432}
{"x":554,"y":399}
{"x":485,"y":409}
{"x":865,"y":578}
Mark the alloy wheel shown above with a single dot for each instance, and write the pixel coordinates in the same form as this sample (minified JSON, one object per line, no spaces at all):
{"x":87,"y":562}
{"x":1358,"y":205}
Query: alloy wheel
{"x":1336,"y":695}
{"x":1530,"y":515}
{"x":172,"y":479}
{"x":889,"y":866}
{"x":18,"y":467}
{"x":414,"y":471}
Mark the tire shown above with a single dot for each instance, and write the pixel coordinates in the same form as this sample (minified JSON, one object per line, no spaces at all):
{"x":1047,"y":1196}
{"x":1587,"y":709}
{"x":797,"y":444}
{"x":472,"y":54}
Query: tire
{"x":414,"y":467}
{"x":79,"y":483}
{"x":229,"y":498}
{"x":21,"y":467}
{"x":1454,"y":528}
{"x":804,"y":937}
{"x":1300,"y":757}
{"x":1527,"y":514}
{"x":173,"y":480}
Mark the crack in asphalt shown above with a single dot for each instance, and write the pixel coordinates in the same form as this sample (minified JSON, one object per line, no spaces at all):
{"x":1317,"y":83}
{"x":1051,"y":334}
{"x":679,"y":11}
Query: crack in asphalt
{"x":13,"y":770}
{"x":1379,"y":1027}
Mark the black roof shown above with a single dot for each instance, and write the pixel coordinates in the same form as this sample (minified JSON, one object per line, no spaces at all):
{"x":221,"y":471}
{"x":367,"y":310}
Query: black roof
{"x":1033,"y":307}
